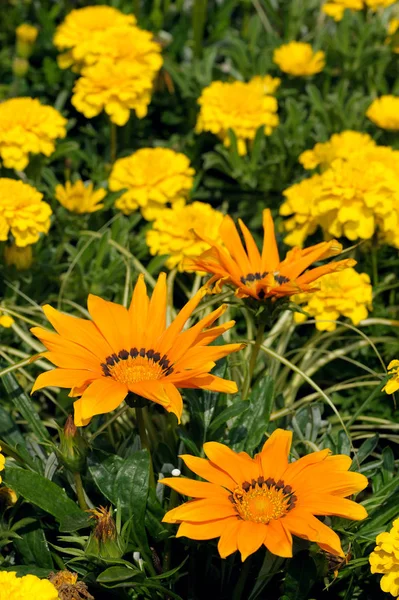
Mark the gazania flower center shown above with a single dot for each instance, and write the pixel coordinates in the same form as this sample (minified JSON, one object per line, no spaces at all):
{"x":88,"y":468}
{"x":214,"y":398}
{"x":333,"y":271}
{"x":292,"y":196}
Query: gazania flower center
{"x":262,"y":501}
{"x":136,"y":365}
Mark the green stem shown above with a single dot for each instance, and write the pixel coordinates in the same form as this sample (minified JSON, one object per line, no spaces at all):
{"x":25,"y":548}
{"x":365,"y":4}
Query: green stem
{"x":80,"y":493}
{"x":239,"y":588}
{"x":374,"y":263}
{"x":145,"y":443}
{"x":369,"y":399}
{"x":113,"y":145}
{"x":254,"y":355}
{"x":199,"y":18}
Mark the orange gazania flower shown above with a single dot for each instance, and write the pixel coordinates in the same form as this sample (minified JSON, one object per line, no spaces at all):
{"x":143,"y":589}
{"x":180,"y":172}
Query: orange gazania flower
{"x":131,"y":350}
{"x":263,"y":276}
{"x":265,"y":500}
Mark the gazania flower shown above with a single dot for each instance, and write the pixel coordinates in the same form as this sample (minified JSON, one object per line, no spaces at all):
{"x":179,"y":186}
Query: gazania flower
{"x":242,"y":107}
{"x":393,"y":383}
{"x":68,"y":586}
{"x":341,"y":145}
{"x":124,"y":351}
{"x":80,"y":198}
{"x":346,"y":293}
{"x":268,"y":83}
{"x":29,"y":586}
{"x":20,"y":258}
{"x":263,"y":276}
{"x":384,"y":112}
{"x":172,"y":231}
{"x":265,"y":500}
{"x":22,"y":212}
{"x":28,"y":127}
{"x":385,"y":559}
{"x":2,"y":463}
{"x":152,"y":178}
{"x":298,"y":59}
{"x":84,"y":25}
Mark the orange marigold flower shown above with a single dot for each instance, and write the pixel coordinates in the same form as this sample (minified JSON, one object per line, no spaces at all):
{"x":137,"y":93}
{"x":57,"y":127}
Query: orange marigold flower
{"x":265,"y":499}
{"x":131,"y":350}
{"x":262,"y":276}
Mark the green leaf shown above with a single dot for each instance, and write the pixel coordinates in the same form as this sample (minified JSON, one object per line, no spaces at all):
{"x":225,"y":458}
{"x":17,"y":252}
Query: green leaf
{"x":22,"y":570}
{"x":228,"y":413}
{"x":33,"y":547}
{"x":113,"y":574}
{"x":9,"y":431}
{"x":104,"y":468}
{"x":364,"y":451}
{"x":24,"y":406}
{"x":48,"y":496}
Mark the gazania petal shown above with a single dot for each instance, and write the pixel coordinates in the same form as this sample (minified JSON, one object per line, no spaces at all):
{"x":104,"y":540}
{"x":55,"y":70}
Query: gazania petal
{"x":228,"y":538}
{"x":278,"y":540}
{"x":203,"y":531}
{"x":112,"y":320}
{"x":198,"y":511}
{"x":138,"y":312}
{"x":63,"y":378}
{"x":207,"y":470}
{"x":102,"y":396}
{"x":270,"y":256}
{"x":194,"y":489}
{"x":250,"y":537}
{"x":326,"y":504}
{"x":238,"y":468}
{"x":233,"y":243}
{"x":306,"y":526}
{"x":212,"y":383}
{"x":252,"y":249}
{"x":275,"y":452}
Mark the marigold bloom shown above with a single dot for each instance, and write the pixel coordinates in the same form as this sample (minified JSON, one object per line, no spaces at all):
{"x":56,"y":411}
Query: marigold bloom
{"x":28,"y":127}
{"x":27,"y":33}
{"x":299,"y":59}
{"x":385,"y":559}
{"x":268,"y":83}
{"x":22,"y":212}
{"x":347,"y":293}
{"x":392,"y":38}
{"x":2,"y":463}
{"x":27,"y":587}
{"x":298,"y":206}
{"x":242,"y":107}
{"x":152,"y":178}
{"x":265,"y":499}
{"x":340,"y":145}
{"x":83,"y":26}
{"x":20,"y":258}
{"x":336,"y":8}
{"x":80,"y":198}
{"x":263,"y":275}
{"x":393,"y":384}
{"x":172,"y":231}
{"x":124,"y":351}
{"x":384,"y":112}
{"x":6,"y":321}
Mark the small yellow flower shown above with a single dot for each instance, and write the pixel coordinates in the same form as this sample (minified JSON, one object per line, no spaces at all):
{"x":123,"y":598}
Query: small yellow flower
{"x":27,"y":33}
{"x":28,"y":127}
{"x":268,"y":83}
{"x":299,"y":59}
{"x":22,"y":212}
{"x":299,"y":206}
{"x":393,"y":384}
{"x":6,"y":321}
{"x":25,"y":588}
{"x":2,"y":463}
{"x":80,"y":198}
{"x":173,"y":234}
{"x":384,"y":112}
{"x":385,"y":557}
{"x":344,"y":293}
{"x":242,"y":107}
{"x":340,"y":145}
{"x":20,"y":258}
{"x":336,"y":8}
{"x":392,"y":38}
{"x":152,"y":178}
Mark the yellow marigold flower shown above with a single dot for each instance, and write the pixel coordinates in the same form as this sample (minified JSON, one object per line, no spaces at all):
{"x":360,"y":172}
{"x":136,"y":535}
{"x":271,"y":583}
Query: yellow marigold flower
{"x":392,"y":38}
{"x":384,"y":112}
{"x":336,"y":8}
{"x":299,"y":59}
{"x":250,"y":502}
{"x":152,"y":178}
{"x":84,"y":25}
{"x":340,"y":145}
{"x":298,"y":206}
{"x":68,"y":586}
{"x":79,"y":197}
{"x":116,"y":88}
{"x":377,"y":4}
{"x":393,"y":384}
{"x":28,"y":127}
{"x":262,"y":276}
{"x":346,"y":293}
{"x":268,"y":83}
{"x":27,"y":33}
{"x":20,"y":258}
{"x":2,"y":463}
{"x":22,"y":212}
{"x":6,"y":321}
{"x":242,"y":107}
{"x":133,"y":350}
{"x":24,"y":588}
{"x":385,"y":558}
{"x":172,"y":231}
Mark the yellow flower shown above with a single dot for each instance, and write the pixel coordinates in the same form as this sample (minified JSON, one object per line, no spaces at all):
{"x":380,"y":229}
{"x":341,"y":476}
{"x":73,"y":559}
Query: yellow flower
{"x":173,"y":234}
{"x":393,"y":384}
{"x":299,"y":59}
{"x":2,"y":463}
{"x":385,"y":558}
{"x":265,"y":500}
{"x":20,"y":258}
{"x":384,"y":112}
{"x":340,"y":145}
{"x":27,"y":33}
{"x":336,"y":8}
{"x":26,"y":126}
{"x":82,"y":26}
{"x":132,"y":350}
{"x":345,"y":293}
{"x":376,"y":4}
{"x":25,"y":588}
{"x":116,"y":88}
{"x":392,"y":38}
{"x":242,"y":107}
{"x":6,"y":321}
{"x":298,"y":206}
{"x":152,"y":178}
{"x":268,"y":83}
{"x":22,"y":212}
{"x":80,"y":198}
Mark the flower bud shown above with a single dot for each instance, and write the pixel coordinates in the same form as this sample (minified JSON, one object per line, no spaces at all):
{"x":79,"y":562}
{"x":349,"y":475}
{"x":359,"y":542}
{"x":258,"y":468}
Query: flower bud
{"x":104,"y":541}
{"x":26,"y":38}
{"x":7,"y":497}
{"x":20,"y":66}
{"x":73,"y":447}
{"x":20,"y":258}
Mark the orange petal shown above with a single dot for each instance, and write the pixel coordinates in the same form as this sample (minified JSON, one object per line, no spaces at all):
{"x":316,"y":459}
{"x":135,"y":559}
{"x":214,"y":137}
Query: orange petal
{"x":63,"y":378}
{"x":77,"y":418}
{"x":161,"y":392}
{"x":278,"y":539}
{"x":233,"y":243}
{"x":58,"y":345}
{"x":212,"y":383}
{"x":112,"y":320}
{"x":138,"y":313}
{"x":199,"y":511}
{"x":211,"y":334}
{"x":270,"y":256}
{"x":238,"y":468}
{"x":332,"y":267}
{"x":275,"y":452}
{"x":193,"y":488}
{"x":250,"y":537}
{"x":203,"y":531}
{"x":102,"y":396}
{"x":252,"y":249}
{"x":228,"y":538}
{"x":156,"y":320}
{"x":306,"y":526}
{"x":299,"y":467}
{"x":326,"y":504}
{"x":207,"y":470}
